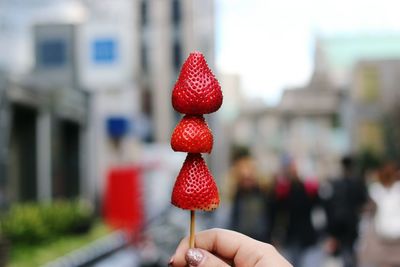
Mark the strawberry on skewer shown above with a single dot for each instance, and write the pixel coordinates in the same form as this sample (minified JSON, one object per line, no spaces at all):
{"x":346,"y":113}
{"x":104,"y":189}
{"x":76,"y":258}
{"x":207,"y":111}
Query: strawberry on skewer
{"x":195,"y":188}
{"x":192,"y":135}
{"x":196,"y":92}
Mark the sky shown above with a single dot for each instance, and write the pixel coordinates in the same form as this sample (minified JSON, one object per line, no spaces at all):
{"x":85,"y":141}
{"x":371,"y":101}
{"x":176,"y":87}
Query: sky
{"x":270,"y":43}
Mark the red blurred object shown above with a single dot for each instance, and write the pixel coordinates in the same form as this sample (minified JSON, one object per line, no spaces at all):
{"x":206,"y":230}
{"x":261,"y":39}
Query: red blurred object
{"x":282,"y":188}
{"x":312,"y":187}
{"x":123,"y":207}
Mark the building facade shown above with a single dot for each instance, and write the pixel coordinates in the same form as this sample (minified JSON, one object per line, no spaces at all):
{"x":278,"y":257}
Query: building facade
{"x":170,"y":30}
{"x":303,"y":126}
{"x":374,"y":97}
{"x":88,"y":82}
{"x":44,"y":123}
{"x":365,"y":67}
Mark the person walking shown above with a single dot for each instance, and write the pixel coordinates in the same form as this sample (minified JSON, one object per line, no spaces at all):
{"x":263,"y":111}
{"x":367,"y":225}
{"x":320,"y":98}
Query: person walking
{"x":343,"y":200}
{"x":251,"y":210}
{"x":293,"y":205}
{"x":381,"y":245}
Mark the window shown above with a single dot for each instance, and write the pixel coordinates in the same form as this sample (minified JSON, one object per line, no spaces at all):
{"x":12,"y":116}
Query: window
{"x":176,"y":12}
{"x":177,"y":55}
{"x":370,"y":84}
{"x":104,"y":51}
{"x":144,"y":58}
{"x":117,"y":126}
{"x":143,"y":12}
{"x":370,"y":136}
{"x":52,"y":53}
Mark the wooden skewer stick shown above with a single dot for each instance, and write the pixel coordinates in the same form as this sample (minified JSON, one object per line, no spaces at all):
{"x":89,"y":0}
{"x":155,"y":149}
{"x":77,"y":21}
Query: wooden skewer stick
{"x":192,"y":229}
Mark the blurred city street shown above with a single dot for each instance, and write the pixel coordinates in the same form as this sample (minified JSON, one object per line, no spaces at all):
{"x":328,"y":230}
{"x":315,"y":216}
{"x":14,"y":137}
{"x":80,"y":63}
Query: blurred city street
{"x":124,"y":258}
{"x":96,"y":165}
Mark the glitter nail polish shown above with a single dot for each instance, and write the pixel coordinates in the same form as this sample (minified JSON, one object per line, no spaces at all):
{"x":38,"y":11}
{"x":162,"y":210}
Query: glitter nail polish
{"x":194,"y":257}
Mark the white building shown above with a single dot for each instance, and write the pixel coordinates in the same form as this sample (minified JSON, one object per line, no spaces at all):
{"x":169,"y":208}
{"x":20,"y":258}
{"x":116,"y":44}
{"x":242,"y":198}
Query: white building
{"x":124,"y":54}
{"x":303,"y":126}
{"x":170,"y":30}
{"x":56,"y":54}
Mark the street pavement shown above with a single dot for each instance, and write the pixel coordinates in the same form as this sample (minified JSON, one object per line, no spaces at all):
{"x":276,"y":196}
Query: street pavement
{"x":123,"y":258}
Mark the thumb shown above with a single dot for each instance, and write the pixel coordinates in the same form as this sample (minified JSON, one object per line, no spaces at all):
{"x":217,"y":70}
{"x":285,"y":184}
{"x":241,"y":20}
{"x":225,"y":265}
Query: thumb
{"x":196,"y":257}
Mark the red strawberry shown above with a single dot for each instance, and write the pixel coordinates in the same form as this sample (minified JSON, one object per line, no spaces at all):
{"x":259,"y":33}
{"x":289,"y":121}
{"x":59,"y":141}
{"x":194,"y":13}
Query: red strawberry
{"x":196,"y":91}
{"x":192,"y":135}
{"x":195,"y":188}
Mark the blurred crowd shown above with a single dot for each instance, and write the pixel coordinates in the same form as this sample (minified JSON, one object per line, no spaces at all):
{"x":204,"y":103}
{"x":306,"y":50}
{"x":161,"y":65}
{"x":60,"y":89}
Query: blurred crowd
{"x":350,"y":220}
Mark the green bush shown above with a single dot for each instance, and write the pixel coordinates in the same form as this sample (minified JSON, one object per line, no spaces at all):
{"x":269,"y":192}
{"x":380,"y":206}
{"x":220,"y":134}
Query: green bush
{"x":64,"y":217}
{"x":35,"y":222}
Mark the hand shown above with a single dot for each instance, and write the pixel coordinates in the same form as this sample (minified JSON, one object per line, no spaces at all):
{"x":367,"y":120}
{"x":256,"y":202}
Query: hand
{"x":221,"y":248}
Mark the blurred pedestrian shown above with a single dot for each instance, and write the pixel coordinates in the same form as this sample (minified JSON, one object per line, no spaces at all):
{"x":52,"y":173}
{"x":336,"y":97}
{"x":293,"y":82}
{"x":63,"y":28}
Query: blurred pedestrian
{"x":251,"y":205}
{"x":343,"y":200}
{"x":293,"y":205}
{"x":381,"y":245}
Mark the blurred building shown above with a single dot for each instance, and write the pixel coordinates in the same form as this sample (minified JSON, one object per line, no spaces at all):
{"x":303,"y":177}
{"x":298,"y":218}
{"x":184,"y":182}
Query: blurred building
{"x":230,"y":110}
{"x":233,"y":98}
{"x":44,"y":122}
{"x":349,"y":105}
{"x":303,"y":126}
{"x":151,"y":38}
{"x":366,"y":68}
{"x":57,"y":139}
{"x":170,"y":30}
{"x":90,"y":76}
{"x":338,"y":55}
{"x":108,"y":42}
{"x":374,"y":112}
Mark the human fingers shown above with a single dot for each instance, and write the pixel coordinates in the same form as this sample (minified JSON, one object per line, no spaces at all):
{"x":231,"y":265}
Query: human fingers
{"x":196,"y":257}
{"x":232,"y":246}
{"x":209,"y":240}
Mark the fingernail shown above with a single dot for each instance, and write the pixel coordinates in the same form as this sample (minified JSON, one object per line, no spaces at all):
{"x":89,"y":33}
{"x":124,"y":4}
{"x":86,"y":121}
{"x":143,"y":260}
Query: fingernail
{"x":194,"y":257}
{"x":171,"y":260}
